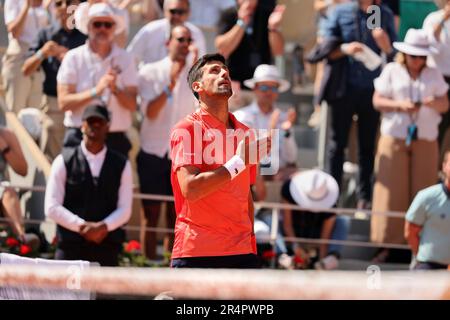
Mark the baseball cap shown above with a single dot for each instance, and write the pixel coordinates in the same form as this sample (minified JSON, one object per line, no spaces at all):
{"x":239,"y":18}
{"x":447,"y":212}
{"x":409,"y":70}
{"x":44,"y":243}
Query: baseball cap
{"x":97,"y":111}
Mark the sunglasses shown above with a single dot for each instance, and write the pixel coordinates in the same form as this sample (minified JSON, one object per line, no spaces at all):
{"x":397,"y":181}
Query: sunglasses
{"x":178,"y":11}
{"x":265,"y":88}
{"x":418,"y":57}
{"x":183,"y":40}
{"x":67,"y":2}
{"x":106,"y":24}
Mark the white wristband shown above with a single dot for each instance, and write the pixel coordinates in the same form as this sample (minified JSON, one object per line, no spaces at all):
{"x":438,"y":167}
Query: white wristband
{"x":235,"y":166}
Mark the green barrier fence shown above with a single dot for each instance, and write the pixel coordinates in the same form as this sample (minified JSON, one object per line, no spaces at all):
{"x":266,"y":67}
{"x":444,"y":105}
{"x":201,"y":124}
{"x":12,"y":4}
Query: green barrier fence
{"x":412,"y":14}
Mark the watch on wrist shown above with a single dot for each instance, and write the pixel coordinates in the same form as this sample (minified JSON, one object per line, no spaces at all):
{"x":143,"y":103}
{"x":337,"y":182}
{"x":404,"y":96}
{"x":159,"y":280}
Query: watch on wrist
{"x":287,"y":133}
{"x":40,"y":55}
{"x":241,"y":23}
{"x":167,"y":91}
{"x":93,"y":92}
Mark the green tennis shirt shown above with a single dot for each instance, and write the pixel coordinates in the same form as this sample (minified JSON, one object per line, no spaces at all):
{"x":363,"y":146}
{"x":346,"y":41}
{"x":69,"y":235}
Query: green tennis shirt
{"x":431,"y":210}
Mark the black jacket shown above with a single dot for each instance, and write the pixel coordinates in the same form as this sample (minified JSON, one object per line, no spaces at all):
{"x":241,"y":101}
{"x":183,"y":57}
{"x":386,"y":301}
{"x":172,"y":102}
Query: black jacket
{"x":333,"y":85}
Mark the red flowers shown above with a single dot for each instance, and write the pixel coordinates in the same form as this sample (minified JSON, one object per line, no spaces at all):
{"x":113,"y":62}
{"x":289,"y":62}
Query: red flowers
{"x":133,"y":246}
{"x":24,"y":249}
{"x":298,"y":260}
{"x":12,"y":242}
{"x":269,"y":254}
{"x":16,"y":247}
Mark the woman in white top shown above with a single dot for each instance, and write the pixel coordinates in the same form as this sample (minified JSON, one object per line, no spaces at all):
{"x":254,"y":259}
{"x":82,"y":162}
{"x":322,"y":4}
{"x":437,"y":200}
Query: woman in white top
{"x":411,"y":98}
{"x":24,"y":19}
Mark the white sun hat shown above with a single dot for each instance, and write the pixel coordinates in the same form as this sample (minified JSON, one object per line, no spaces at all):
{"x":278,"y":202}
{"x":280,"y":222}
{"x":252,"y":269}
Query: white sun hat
{"x":416,"y":43}
{"x":314,"y":189}
{"x":85,"y":12}
{"x":265,"y":72}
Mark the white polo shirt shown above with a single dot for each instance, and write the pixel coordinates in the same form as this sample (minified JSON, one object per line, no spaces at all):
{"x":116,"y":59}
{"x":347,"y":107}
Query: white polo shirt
{"x":395,"y":83}
{"x":441,"y":57}
{"x":153,"y":78}
{"x":254,"y":118}
{"x":36,"y":20}
{"x":84,"y":68}
{"x":149,"y":44}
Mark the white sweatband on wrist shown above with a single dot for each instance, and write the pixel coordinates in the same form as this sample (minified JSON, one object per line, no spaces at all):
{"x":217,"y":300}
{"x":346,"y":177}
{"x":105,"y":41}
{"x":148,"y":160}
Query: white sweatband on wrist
{"x":235,"y":166}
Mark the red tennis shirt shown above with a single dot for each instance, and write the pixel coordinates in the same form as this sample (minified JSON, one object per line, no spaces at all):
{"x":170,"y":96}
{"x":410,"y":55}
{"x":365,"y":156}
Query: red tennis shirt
{"x":217,"y":224}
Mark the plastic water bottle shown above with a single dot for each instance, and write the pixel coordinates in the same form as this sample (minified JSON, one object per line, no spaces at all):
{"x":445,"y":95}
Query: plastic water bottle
{"x":369,"y":58}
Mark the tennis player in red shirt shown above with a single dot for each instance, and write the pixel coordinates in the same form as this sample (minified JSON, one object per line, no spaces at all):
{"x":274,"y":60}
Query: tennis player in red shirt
{"x":214,"y":160}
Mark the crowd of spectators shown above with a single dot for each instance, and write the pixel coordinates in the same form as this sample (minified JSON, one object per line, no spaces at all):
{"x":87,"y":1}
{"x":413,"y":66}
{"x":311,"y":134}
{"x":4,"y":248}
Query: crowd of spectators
{"x":76,"y":62}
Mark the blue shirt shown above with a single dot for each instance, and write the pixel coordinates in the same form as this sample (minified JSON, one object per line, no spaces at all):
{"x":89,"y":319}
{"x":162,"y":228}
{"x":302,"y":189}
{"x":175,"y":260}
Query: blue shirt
{"x":431,"y":210}
{"x":349,"y":23}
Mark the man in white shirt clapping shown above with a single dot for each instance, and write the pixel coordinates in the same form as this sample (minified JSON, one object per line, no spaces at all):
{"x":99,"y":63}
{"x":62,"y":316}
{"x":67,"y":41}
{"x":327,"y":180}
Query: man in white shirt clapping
{"x":99,"y":72}
{"x":262,"y":113}
{"x":165,"y":99}
{"x":148,"y":45}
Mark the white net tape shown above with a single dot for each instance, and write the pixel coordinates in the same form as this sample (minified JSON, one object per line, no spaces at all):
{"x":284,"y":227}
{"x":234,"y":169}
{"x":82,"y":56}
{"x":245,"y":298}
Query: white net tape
{"x":34,"y":291}
{"x":233,"y":284}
